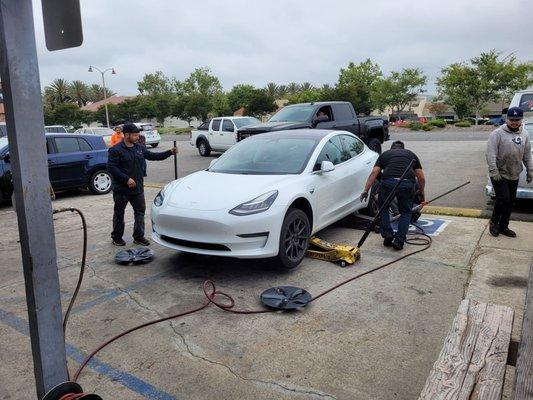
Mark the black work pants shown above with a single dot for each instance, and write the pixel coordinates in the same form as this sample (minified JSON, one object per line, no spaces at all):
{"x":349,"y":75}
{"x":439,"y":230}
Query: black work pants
{"x":139,"y":206}
{"x":505,"y":191}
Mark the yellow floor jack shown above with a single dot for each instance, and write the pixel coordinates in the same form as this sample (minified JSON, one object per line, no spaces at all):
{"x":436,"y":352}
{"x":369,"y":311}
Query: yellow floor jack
{"x":337,"y":253}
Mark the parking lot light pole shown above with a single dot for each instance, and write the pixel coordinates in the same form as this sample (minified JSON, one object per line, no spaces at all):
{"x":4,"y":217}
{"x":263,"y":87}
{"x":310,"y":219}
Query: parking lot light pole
{"x":103,"y":85}
{"x":27,"y":157}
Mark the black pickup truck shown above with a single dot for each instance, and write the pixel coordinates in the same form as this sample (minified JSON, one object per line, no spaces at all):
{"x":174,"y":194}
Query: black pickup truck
{"x":338,"y":115}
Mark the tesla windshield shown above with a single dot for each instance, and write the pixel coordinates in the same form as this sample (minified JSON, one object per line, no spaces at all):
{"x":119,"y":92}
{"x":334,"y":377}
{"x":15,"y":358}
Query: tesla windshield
{"x":266,"y":156}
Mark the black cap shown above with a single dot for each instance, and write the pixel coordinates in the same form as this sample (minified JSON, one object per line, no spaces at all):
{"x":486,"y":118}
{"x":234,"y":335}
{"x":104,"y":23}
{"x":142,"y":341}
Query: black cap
{"x":130,"y":128}
{"x":515,"y":113}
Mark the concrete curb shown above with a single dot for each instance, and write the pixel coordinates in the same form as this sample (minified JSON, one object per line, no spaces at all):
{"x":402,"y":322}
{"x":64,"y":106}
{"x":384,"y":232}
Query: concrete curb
{"x":456,"y":212}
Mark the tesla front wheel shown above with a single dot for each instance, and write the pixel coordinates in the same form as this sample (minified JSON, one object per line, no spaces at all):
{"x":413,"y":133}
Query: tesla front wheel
{"x":294,"y":239}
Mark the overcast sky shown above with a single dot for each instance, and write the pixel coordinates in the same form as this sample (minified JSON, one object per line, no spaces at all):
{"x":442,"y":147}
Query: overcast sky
{"x":250,"y":41}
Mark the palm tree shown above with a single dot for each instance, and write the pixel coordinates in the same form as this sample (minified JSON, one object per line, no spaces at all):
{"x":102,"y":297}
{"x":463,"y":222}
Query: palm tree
{"x":282,"y":91}
{"x":272,"y":89}
{"x":293,"y":88}
{"x":58,"y":91}
{"x":306,"y":86}
{"x":96,"y":93}
{"x":79,"y":92}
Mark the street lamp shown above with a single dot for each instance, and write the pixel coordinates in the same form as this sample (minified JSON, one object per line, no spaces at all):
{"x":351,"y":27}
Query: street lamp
{"x":105,"y":90}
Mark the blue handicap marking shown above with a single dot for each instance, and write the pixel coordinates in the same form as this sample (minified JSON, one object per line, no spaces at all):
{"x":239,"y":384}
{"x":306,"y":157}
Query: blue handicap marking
{"x":431,"y":226}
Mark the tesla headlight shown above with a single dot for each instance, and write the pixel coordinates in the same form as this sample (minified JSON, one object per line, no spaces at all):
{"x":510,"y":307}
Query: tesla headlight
{"x":257,"y":205}
{"x":158,"y":200}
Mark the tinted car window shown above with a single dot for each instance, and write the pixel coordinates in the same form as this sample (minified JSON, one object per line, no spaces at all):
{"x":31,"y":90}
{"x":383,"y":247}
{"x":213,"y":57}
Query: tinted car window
{"x":351,"y":147}
{"x":67,"y":145}
{"x":332,"y":151}
{"x":204,"y":126}
{"x":227,"y":126}
{"x":84,"y":146}
{"x":240,"y":122}
{"x":343,"y":112}
{"x":216,"y":125}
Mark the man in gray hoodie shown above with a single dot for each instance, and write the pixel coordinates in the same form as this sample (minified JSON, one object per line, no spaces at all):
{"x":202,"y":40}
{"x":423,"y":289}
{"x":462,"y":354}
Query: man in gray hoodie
{"x":507,"y":149}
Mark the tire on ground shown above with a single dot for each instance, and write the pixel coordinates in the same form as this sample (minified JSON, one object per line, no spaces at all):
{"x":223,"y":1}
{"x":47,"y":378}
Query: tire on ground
{"x":203,"y":148}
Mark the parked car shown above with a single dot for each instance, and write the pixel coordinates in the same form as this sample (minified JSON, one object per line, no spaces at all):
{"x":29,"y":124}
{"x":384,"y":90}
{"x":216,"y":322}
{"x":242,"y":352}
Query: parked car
{"x":338,"y":115}
{"x":104,"y":132}
{"x":55,"y":129}
{"x":525,"y":190}
{"x":74,"y":161}
{"x":265,"y":196}
{"x":150,"y":134}
{"x":219,"y":134}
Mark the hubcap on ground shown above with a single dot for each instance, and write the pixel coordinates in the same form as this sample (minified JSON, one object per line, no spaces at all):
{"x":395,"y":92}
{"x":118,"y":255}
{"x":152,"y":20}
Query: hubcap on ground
{"x":102,"y":182}
{"x":296,"y":239}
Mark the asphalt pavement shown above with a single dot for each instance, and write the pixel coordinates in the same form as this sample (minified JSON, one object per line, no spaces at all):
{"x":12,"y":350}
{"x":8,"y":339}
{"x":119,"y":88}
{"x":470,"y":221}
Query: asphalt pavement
{"x":449,"y":158}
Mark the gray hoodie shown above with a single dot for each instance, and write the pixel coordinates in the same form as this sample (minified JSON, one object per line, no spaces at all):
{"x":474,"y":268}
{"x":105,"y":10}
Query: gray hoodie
{"x":507,"y":150}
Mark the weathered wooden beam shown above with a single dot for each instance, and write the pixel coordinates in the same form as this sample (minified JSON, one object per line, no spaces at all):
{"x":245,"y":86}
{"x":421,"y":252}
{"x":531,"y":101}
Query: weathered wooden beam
{"x":472,"y":362}
{"x":524,"y":365}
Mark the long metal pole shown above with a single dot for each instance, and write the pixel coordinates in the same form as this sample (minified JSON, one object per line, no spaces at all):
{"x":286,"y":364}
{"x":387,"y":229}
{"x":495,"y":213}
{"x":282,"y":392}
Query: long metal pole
{"x":105,"y":99}
{"x":25,"y":127}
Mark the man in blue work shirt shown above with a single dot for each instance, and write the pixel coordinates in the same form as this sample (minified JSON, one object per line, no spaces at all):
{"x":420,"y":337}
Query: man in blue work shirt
{"x":126,"y":163}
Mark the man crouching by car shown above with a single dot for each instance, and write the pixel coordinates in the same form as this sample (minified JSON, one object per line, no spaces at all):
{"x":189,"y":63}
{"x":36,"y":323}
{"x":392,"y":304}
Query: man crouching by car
{"x":126,"y":163}
{"x":507,"y":149}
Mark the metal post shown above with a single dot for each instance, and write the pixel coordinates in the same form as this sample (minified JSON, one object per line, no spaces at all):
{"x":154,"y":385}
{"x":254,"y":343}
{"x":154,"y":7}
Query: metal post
{"x":27,"y":146}
{"x":105,"y":99}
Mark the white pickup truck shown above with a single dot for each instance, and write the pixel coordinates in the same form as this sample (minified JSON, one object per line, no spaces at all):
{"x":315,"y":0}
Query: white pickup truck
{"x":219,"y":134}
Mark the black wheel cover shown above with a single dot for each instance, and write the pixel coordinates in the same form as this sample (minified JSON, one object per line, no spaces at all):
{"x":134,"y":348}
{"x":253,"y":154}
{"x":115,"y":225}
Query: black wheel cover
{"x":137,"y":255}
{"x":285,"y":298}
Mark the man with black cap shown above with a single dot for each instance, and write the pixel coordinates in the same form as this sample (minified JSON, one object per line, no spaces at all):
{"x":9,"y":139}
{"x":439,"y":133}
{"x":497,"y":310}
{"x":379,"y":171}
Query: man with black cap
{"x":508,"y":148}
{"x":391,"y":164}
{"x":126,"y":163}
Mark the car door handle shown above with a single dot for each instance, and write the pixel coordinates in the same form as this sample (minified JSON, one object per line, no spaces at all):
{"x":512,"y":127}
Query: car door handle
{"x":221,"y":134}
{"x":88,"y":156}
{"x":368,"y":162}
{"x":334,"y":126}
{"x":50,"y":162}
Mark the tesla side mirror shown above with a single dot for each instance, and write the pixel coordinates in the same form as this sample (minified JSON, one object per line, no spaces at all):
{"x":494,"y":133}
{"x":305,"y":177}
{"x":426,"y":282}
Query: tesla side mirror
{"x":327,"y":166}
{"x":322,"y":118}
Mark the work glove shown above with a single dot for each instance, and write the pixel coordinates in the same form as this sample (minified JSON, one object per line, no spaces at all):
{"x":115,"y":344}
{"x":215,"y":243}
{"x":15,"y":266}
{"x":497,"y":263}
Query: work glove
{"x":529,"y":177}
{"x":495,"y":175}
{"x":364,"y":196}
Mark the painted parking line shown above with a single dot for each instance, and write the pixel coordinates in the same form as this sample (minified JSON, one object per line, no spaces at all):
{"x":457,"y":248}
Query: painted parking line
{"x":108,"y":294}
{"x":127,"y":380}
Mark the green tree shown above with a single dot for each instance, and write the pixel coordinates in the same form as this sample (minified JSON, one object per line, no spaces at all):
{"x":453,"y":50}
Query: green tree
{"x":78,"y":91}
{"x":156,"y":84}
{"x":58,"y":91}
{"x":272,"y":89}
{"x":399,"y":89}
{"x":201,"y":81}
{"x":240,"y":96}
{"x":355,"y":85}
{"x":260,"y":103}
{"x":96,"y":93}
{"x":470,"y":86}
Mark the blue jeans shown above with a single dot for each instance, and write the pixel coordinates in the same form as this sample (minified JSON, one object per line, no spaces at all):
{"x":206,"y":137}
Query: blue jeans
{"x":405,"y":196}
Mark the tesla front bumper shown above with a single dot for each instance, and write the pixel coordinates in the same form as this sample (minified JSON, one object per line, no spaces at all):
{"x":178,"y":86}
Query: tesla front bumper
{"x":218,"y":232}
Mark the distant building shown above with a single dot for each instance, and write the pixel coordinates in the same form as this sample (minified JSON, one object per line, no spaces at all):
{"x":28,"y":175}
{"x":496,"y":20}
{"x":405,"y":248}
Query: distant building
{"x":110,"y":100}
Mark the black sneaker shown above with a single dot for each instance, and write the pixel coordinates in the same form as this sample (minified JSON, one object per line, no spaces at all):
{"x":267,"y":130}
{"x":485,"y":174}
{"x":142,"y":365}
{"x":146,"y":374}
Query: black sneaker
{"x":507,"y":232}
{"x":119,"y":242}
{"x":387,"y":242}
{"x":143,"y":241}
{"x":494,"y":229}
{"x":396,"y":245}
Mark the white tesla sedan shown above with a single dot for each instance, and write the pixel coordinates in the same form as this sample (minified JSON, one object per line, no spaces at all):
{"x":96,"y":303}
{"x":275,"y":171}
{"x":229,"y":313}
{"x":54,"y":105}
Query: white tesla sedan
{"x":265,"y":196}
